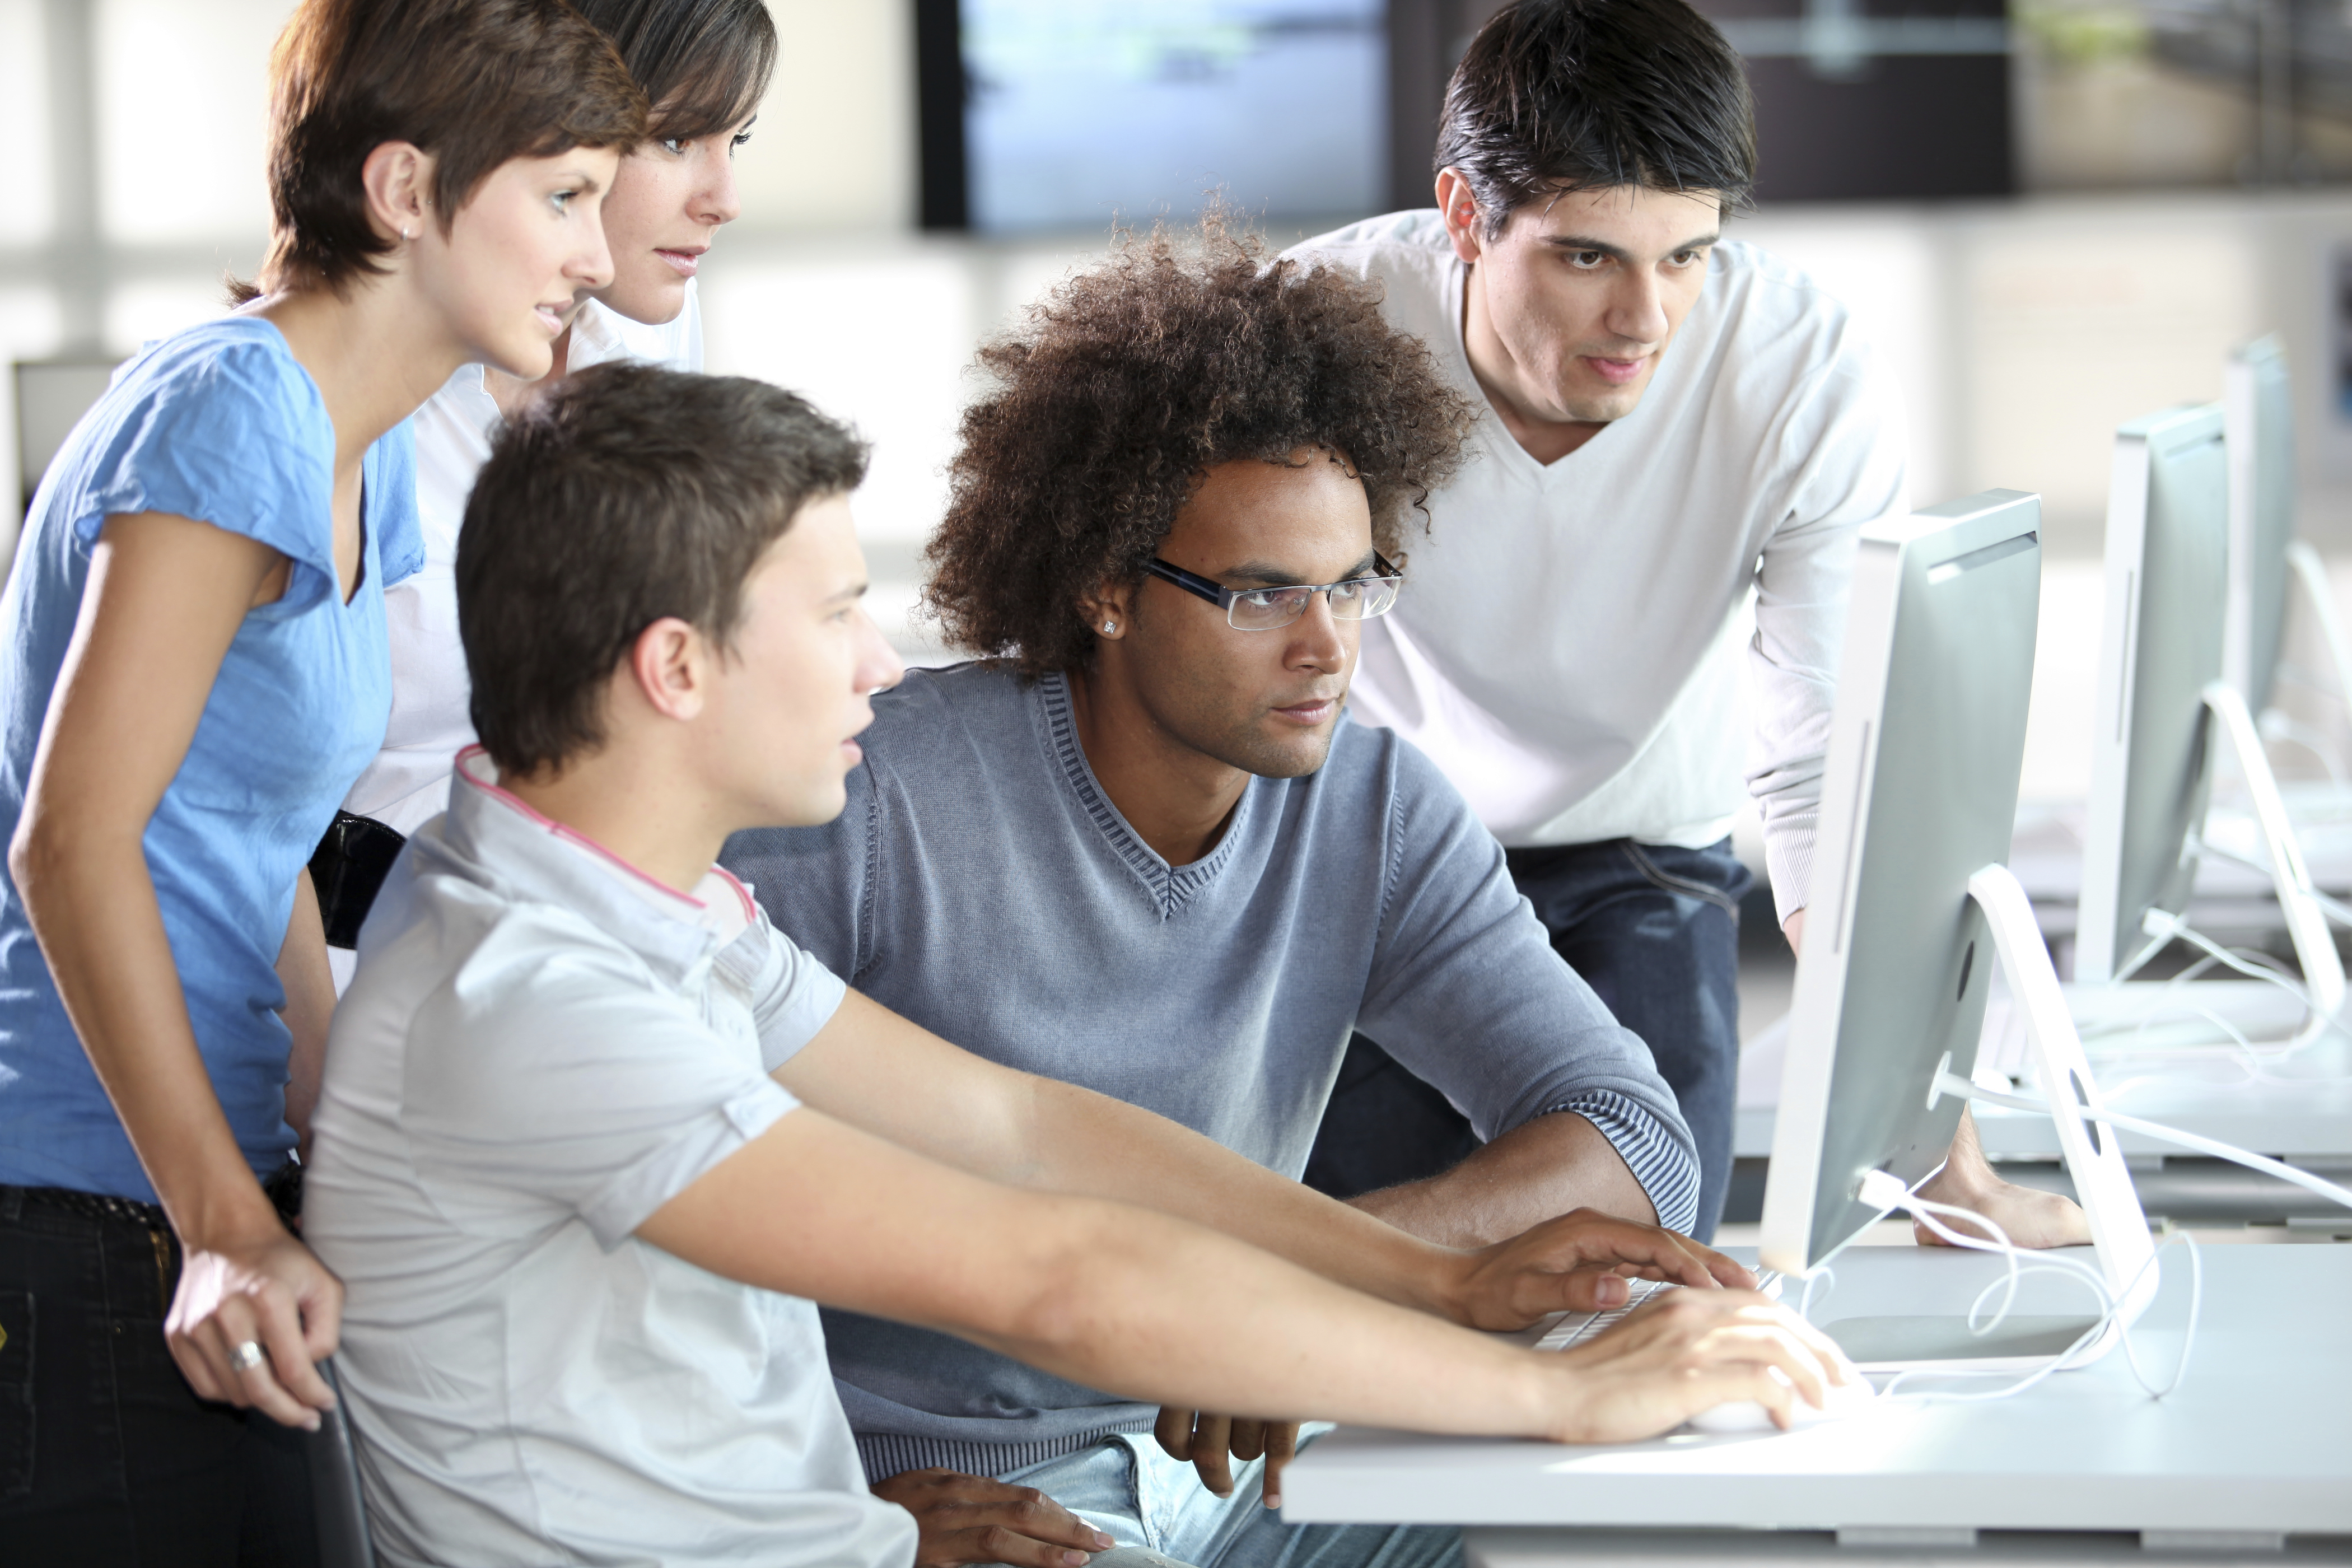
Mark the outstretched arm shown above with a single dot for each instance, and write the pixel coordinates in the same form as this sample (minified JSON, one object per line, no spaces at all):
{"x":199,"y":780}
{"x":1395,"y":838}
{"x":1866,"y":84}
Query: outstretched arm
{"x":878,"y":1072}
{"x":1109,"y":1295}
{"x":163,"y":601}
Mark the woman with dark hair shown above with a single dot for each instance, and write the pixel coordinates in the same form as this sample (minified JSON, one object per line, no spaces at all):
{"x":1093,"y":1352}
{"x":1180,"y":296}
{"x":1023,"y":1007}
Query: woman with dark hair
{"x":193,"y":670}
{"x":704,"y":66}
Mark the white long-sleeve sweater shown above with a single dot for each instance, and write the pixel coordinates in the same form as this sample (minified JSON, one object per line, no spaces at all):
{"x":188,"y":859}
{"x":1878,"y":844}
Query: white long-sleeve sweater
{"x":1566,"y":646}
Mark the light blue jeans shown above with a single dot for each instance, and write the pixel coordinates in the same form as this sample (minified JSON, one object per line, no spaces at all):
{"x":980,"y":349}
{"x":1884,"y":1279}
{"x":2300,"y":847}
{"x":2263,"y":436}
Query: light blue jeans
{"x":1128,"y":1489}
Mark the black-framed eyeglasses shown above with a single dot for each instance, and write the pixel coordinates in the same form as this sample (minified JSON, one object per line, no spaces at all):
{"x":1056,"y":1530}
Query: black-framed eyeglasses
{"x":1266,"y":609}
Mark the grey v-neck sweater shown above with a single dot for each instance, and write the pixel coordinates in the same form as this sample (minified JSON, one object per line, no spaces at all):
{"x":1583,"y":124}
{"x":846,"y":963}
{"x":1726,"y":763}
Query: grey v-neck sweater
{"x":981,"y":884}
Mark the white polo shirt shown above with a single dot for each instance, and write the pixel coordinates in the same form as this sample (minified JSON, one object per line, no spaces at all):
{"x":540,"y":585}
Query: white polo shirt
{"x":541,"y":1049}
{"x":1567,"y":648}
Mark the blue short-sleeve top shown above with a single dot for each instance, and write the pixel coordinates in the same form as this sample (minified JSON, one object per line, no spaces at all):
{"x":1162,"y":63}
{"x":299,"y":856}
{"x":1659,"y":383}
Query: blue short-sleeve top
{"x":219,"y":424}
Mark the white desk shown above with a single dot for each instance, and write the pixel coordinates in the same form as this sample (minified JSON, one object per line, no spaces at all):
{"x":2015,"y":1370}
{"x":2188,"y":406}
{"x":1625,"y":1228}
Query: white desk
{"x":2257,"y":1441}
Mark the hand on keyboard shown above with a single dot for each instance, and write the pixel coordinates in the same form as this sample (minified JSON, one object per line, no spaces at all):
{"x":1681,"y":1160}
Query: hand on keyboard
{"x":1583,"y":1261}
{"x":1575,"y":1328}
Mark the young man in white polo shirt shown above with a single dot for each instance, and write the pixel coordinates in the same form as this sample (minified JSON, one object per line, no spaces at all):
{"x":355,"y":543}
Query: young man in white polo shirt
{"x":592,"y":1132}
{"x":1672,"y":421}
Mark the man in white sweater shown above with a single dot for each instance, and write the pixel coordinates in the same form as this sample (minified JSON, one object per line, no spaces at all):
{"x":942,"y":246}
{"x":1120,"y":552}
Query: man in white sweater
{"x":1673,"y":422}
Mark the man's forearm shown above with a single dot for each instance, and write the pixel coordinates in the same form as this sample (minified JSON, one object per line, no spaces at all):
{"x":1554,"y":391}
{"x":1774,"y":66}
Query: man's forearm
{"x":1107,"y":1149}
{"x":874,"y":1069}
{"x":1540,"y":1169}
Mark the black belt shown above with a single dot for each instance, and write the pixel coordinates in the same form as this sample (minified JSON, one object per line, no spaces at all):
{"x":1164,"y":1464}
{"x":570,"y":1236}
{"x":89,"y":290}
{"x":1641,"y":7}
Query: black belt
{"x":348,"y":869}
{"x":283,"y":1186}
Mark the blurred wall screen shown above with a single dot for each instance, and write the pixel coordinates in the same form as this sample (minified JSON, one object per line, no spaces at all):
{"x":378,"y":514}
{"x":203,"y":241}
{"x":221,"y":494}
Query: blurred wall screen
{"x":1074,"y":111}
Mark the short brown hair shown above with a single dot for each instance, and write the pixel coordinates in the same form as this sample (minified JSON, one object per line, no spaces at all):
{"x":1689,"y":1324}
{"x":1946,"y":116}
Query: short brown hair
{"x":627,"y":494}
{"x":1129,"y":384}
{"x":704,"y":64}
{"x":473,"y":82}
{"x":1559,"y":95}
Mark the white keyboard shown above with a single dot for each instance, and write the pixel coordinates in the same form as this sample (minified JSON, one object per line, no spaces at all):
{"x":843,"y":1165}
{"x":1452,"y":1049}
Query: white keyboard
{"x":1574,"y":1328}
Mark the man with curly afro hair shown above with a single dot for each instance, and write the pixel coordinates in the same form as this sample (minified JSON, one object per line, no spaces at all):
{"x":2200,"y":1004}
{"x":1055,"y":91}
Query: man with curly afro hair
{"x":1137,"y":845}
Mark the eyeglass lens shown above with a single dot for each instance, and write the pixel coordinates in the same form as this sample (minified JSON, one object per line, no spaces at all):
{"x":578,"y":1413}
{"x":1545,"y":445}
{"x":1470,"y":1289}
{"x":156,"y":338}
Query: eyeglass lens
{"x":1267,"y":609}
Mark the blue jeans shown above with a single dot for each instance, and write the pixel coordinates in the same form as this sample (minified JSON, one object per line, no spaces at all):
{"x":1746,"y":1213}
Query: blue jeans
{"x":106,"y":1457}
{"x":1128,"y":1488}
{"x":1654,"y":930}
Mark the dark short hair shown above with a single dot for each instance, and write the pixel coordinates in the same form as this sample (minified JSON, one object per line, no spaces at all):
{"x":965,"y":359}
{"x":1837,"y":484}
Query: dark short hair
{"x":1559,"y":95}
{"x":1130,"y":381}
{"x":704,"y":64}
{"x":473,"y":82}
{"x":627,"y":494}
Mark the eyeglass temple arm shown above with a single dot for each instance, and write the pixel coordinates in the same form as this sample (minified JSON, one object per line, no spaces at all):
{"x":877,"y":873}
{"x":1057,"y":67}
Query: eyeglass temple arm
{"x":1215,"y":593}
{"x":1222,"y":598}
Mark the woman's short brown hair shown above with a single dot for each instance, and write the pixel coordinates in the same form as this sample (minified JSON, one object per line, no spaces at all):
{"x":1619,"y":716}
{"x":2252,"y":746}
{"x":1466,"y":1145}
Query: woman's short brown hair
{"x":1129,"y":384}
{"x":705,"y":64}
{"x":473,"y":82}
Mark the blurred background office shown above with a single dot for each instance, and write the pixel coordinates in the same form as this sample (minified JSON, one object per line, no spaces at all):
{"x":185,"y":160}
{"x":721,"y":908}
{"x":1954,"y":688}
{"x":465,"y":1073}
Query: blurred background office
{"x":2053,"y":217}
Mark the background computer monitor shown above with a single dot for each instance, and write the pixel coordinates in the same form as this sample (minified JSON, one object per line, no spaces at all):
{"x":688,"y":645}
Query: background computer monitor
{"x":2167,"y":561}
{"x":2258,"y":415}
{"x":1920,"y":791}
{"x":1045,"y":115}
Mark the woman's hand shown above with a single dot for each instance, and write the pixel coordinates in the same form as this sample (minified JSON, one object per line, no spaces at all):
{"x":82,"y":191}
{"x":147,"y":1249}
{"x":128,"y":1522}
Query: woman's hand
{"x":267,"y":1291}
{"x":1578,"y":1263}
{"x":1689,"y":1350}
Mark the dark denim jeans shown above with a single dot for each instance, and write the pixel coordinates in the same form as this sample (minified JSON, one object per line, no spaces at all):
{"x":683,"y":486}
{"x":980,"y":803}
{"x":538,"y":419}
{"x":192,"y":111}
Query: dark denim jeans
{"x":106,"y":1455}
{"x":1654,"y":930}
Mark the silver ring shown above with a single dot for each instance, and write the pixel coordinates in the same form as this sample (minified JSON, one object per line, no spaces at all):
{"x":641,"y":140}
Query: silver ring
{"x":247,"y":1356}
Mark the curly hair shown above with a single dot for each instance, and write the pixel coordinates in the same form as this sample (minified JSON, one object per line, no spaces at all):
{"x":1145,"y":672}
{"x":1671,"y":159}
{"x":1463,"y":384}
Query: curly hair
{"x":1127,"y":384}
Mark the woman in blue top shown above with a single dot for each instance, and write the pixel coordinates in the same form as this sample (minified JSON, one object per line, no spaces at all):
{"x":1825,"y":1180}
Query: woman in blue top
{"x":193,"y":671}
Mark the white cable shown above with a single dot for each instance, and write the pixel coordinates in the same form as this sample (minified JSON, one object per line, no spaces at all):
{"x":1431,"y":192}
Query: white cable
{"x":2334,"y":908}
{"x":1884,"y":1192}
{"x":2170,"y":1001}
{"x":2162,"y":1134}
{"x":2277,"y":726}
{"x":1818,"y":1274}
{"x":2163,"y":926}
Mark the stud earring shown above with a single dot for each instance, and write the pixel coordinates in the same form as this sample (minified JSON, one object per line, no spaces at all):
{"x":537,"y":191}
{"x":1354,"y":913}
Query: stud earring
{"x":408,"y":233}
{"x":1110,"y":625}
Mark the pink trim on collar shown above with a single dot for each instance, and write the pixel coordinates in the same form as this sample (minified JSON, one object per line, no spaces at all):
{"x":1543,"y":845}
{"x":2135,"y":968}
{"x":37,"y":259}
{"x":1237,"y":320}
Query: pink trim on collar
{"x":750,"y":909}
{"x":572,"y":835}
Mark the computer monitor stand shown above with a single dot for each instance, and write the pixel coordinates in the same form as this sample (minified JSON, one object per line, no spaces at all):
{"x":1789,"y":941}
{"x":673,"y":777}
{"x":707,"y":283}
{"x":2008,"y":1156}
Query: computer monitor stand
{"x":2259,"y":1009}
{"x":2102,"y":1183}
{"x":2319,"y":808}
{"x":2299,"y":906}
{"x":2311,"y":572}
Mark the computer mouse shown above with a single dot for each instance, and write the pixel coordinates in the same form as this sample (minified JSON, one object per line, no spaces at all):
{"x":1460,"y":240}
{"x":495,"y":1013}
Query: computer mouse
{"x":1746,"y":1415}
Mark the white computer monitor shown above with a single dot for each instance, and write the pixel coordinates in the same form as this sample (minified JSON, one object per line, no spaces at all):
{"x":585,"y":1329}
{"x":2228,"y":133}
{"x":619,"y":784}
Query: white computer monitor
{"x":1912,"y":908}
{"x":2167,"y":562}
{"x":2258,"y":421}
{"x":2163,"y":707}
{"x":2266,"y":560}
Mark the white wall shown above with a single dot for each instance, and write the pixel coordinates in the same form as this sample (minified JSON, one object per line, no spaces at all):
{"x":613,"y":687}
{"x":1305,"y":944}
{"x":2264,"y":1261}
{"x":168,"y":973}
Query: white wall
{"x":181,"y":115}
{"x":835,"y":148}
